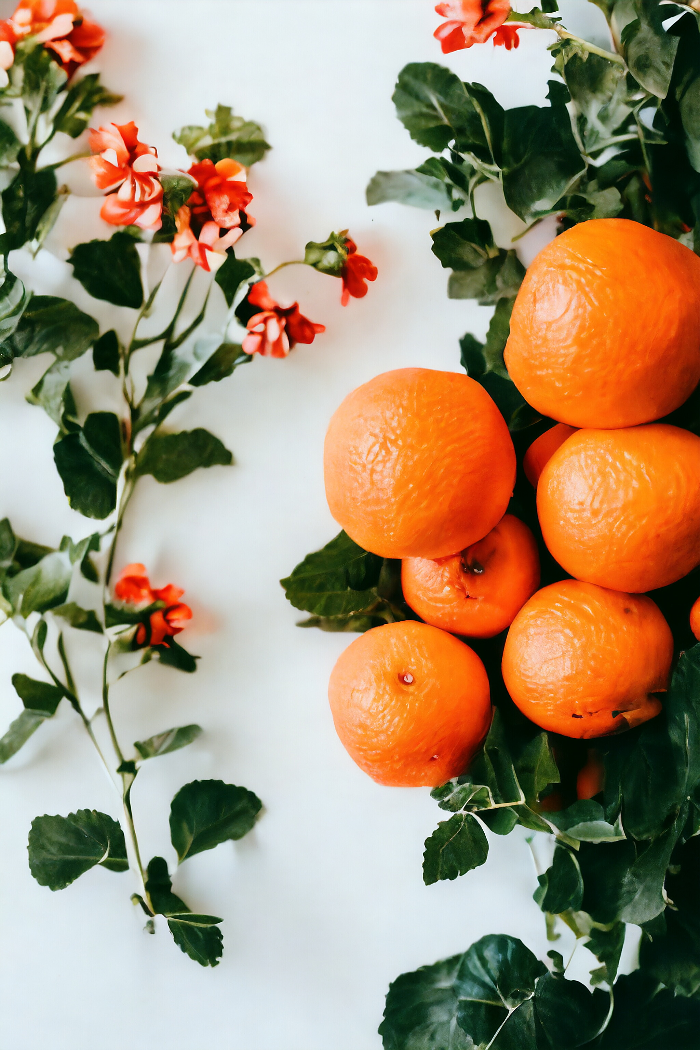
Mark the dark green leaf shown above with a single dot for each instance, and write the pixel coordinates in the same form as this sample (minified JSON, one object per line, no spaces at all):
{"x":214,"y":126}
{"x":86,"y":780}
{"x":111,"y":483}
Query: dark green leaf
{"x":339,"y":579}
{"x":607,"y":946}
{"x":9,"y":145}
{"x":232,"y":274}
{"x":431,"y":103}
{"x":585,"y":821}
{"x":24,"y":202}
{"x":222,"y":363}
{"x":226,"y":136}
{"x":196,"y":935}
{"x":455,"y":847}
{"x":80,"y":100}
{"x":491,"y":780}
{"x":498,"y":974}
{"x":412,"y":188}
{"x":13,"y":301}
{"x":561,"y":887}
{"x":8,"y":544}
{"x":175,"y":366}
{"x":173,"y":655}
{"x":536,"y":768}
{"x":569,"y":1014}
{"x":170,"y":740}
{"x":327,"y":256}
{"x":541,"y":160}
{"x":105,"y":353}
{"x":648,"y":49}
{"x":53,"y":394}
{"x":598,"y":90}
{"x":685,"y":86}
{"x":41,"y":697}
{"x":495,"y":279}
{"x":63,"y":848}
{"x":169,"y":457}
{"x":88,"y":462}
{"x":53,"y":325}
{"x":208,"y":812}
{"x":464,"y":245}
{"x":19,"y":732}
{"x":110,"y":270}
{"x":42,"y":77}
{"x":82,"y":619}
{"x":421,"y":1009}
{"x":87,"y":569}
{"x":646,"y":1017}
{"x":670,"y":949}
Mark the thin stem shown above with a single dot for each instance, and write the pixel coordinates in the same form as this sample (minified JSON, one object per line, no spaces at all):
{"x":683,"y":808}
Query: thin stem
{"x":564,"y":34}
{"x":105,"y":705}
{"x":292,"y":262}
{"x":59,"y":163}
{"x":573,"y":952}
{"x":127,"y":493}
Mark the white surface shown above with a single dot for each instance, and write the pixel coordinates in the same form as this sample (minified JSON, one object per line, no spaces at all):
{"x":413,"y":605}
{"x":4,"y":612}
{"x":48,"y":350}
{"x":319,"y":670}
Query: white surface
{"x":323,"y":902}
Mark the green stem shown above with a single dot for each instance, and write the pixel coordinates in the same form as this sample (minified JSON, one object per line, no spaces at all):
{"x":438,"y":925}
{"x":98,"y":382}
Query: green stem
{"x":59,"y":163}
{"x":564,"y":34}
{"x":127,"y":493}
{"x":292,"y":262}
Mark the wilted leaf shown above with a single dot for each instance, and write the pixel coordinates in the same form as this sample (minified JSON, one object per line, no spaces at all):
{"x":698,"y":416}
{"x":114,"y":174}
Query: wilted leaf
{"x":63,"y":848}
{"x":207,"y":812}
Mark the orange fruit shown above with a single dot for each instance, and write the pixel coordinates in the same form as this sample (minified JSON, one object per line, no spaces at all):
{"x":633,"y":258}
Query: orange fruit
{"x":590,"y":779}
{"x":585,"y":661}
{"x":410,"y":703}
{"x":605,"y":329}
{"x":479,"y":591}
{"x":418,"y":463}
{"x":621,"y":508}
{"x":542,"y":449}
{"x":695,"y":618}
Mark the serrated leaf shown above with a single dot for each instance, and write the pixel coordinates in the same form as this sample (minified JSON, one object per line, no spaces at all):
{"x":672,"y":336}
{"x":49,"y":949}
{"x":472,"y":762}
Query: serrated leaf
{"x":169,"y":457}
{"x":607,"y":947}
{"x":83,"y":97}
{"x":196,"y":935}
{"x":455,"y":847}
{"x":81,"y":619}
{"x":110,"y":270}
{"x":207,"y":812}
{"x":412,"y":188}
{"x":63,"y":848}
{"x":170,"y":740}
{"x":88,"y":461}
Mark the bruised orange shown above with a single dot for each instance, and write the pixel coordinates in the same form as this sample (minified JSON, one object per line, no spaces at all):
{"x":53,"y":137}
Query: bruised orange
{"x":410,"y":703}
{"x":542,"y":449}
{"x":585,"y":661}
{"x":479,"y":591}
{"x":418,"y":463}
{"x":621,"y":508}
{"x":605,"y":330}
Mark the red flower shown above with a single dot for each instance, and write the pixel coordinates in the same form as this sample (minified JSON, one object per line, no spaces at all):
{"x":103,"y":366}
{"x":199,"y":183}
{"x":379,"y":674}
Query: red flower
{"x":133,"y":588}
{"x":276,"y":329}
{"x":355,"y":273}
{"x":60,"y":25}
{"x":218,"y":203}
{"x":507,"y":35}
{"x":121,"y":160}
{"x":471,"y":22}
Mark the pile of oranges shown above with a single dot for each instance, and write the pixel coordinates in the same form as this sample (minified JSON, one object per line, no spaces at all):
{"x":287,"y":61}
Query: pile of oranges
{"x":420,"y":466}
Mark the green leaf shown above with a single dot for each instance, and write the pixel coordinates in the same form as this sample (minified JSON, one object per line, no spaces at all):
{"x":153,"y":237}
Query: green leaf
{"x":88,"y":461}
{"x":465,"y":245}
{"x":685,"y":87}
{"x":585,"y":821}
{"x":498,"y":976}
{"x":170,"y":740}
{"x":169,"y":457}
{"x":412,"y":188}
{"x":536,"y":768}
{"x":561,"y":887}
{"x":568,"y":1012}
{"x":232,"y":274}
{"x":607,"y":947}
{"x":63,"y":848}
{"x":541,"y":160}
{"x":173,"y":655}
{"x":24,"y":202}
{"x":648,"y":49}
{"x":41,"y":586}
{"x":647,"y":1017}
{"x":80,"y":100}
{"x":42,"y":77}
{"x":196,"y":935}
{"x":208,"y":812}
{"x":81,"y":619}
{"x":491,"y":780}
{"x":53,"y":325}
{"x":53,"y":394}
{"x":497,"y":278}
{"x":40,"y":701}
{"x":175,"y":366}
{"x":222,"y":363}
{"x":10,"y":145}
{"x":110,"y":270}
{"x":455,"y":847}
{"x":105,"y":353}
{"x":19,"y":732}
{"x":598,"y":90}
{"x":226,"y":136}
{"x":421,"y":1009}
{"x":13,"y":302}
{"x":670,"y":949}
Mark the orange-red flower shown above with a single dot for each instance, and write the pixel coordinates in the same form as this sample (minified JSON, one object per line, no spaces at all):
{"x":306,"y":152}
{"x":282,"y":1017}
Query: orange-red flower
{"x":357,"y":270}
{"x":60,"y":25}
{"x":121,"y":160}
{"x":133,"y":588}
{"x":507,"y":35}
{"x":276,"y":329}
{"x":214,"y":217}
{"x":473,"y":22}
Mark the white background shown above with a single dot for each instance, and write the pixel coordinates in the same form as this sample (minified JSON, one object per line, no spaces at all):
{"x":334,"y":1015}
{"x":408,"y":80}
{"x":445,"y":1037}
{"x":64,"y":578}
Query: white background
{"x":324,"y":902}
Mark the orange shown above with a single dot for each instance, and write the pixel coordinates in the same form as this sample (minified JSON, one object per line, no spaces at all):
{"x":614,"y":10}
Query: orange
{"x":695,"y":618}
{"x":590,"y":779}
{"x":479,"y":591}
{"x":410,"y":704}
{"x":418,"y":464}
{"x":621,"y":508}
{"x":542,"y":449}
{"x":605,"y":329}
{"x":584,"y":661}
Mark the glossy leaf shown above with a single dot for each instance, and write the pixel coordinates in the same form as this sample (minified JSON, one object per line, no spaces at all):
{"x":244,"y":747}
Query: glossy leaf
{"x":670,"y":948}
{"x":110,"y":270}
{"x":455,"y":847}
{"x":196,"y":935}
{"x":63,"y":848}
{"x":232,"y":274}
{"x":226,"y":136}
{"x":53,"y":325}
{"x":170,"y":740}
{"x":88,"y":461}
{"x":207,"y":812}
{"x":83,"y":97}
{"x":222,"y":363}
{"x":561,"y":887}
{"x":541,"y":160}
{"x":169,"y":457}
{"x":568,"y":1012}
{"x":464,"y":245}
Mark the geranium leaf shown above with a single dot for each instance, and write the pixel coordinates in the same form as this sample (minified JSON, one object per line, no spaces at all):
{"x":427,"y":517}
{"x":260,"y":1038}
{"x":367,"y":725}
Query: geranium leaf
{"x":88,"y":461}
{"x":337,"y":580}
{"x":412,"y":188}
{"x":105,"y":353}
{"x":80,"y":100}
{"x":206,"y":813}
{"x":222,"y":363}
{"x":24,"y":202}
{"x":63,"y":848}
{"x":561,"y":887}
{"x":585,"y":821}
{"x":170,"y":740}
{"x":196,"y":935}
{"x":541,"y":160}
{"x":169,"y":457}
{"x":110,"y":270}
{"x":81,"y":619}
{"x":455,"y":847}
{"x":53,"y":325}
{"x":232,"y":274}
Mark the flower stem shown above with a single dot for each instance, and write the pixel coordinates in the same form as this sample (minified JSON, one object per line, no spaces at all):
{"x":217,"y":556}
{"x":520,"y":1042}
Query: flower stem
{"x":564,"y":34}
{"x":292,"y":262}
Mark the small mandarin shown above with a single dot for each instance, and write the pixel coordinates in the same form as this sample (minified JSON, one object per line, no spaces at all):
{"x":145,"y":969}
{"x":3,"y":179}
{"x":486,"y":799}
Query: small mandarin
{"x":584,"y":661}
{"x":418,"y":463}
{"x":478,"y":592}
{"x":695,"y":618}
{"x":542,"y":449}
{"x":410,"y":704}
{"x":591,"y":777}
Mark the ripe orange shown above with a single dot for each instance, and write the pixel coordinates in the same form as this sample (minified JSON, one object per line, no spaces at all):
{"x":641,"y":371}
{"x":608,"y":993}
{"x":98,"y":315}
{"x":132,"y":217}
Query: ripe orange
{"x":542,"y":449}
{"x":621,"y":508}
{"x":695,"y":618}
{"x":605,"y":329}
{"x":590,"y":779}
{"x":477,"y":592}
{"x":410,"y":704}
{"x":585,"y":661}
{"x":418,"y":463}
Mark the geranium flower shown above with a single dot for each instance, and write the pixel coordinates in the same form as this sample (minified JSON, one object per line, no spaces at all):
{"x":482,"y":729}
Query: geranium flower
{"x":276,"y":329}
{"x":133,"y":588}
{"x":59,"y":25}
{"x":472,"y":22}
{"x":357,"y":270}
{"x":217,"y":204}
{"x":121,"y":160}
{"x":507,"y":35}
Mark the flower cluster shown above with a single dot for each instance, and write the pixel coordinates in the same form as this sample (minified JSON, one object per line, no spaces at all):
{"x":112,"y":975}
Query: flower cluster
{"x":276,"y":329}
{"x":168,"y":619}
{"x":57,"y":24}
{"x":214,"y":217}
{"x":475,"y":22}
